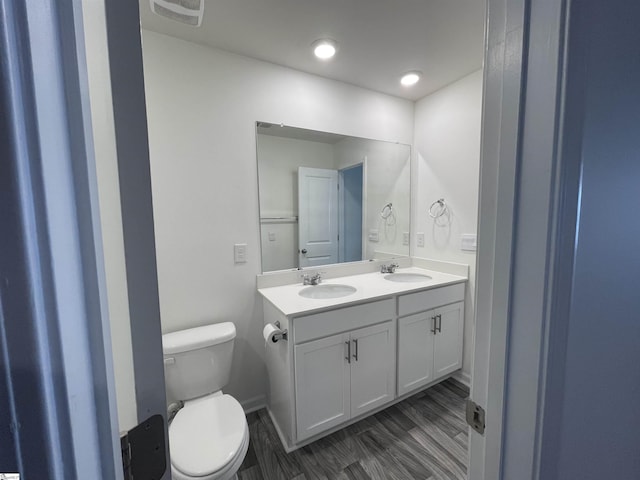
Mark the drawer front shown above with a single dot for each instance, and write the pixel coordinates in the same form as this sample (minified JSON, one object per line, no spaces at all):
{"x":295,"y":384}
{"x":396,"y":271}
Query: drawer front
{"x":342,"y":319}
{"x":428,"y":299}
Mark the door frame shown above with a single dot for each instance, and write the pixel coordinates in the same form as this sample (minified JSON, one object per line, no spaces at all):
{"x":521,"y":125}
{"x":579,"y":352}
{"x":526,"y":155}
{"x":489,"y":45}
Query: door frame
{"x":523,"y":191}
{"x":54,"y":327}
{"x":134,"y":178}
{"x":67,"y":425}
{"x":341,"y":219}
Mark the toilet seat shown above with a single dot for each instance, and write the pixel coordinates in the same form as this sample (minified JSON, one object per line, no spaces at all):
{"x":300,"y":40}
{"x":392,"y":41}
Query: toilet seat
{"x":227,"y":473}
{"x":208,"y":438}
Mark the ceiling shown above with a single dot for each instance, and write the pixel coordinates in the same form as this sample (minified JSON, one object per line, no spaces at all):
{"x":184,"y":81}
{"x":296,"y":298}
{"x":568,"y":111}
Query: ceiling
{"x":378,"y":40}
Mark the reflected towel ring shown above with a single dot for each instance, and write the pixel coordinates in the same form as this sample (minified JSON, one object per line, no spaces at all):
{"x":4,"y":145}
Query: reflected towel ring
{"x":386,"y":211}
{"x":437,"y":208}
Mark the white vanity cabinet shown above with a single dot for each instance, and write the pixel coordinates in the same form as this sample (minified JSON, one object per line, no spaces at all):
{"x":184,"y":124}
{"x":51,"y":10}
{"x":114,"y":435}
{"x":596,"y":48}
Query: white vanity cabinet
{"x":430,"y":341}
{"x":347,"y":374}
{"x":447,"y":350}
{"x":373,"y":373}
{"x":322,"y":385}
{"x":343,"y":376}
{"x":342,"y":362}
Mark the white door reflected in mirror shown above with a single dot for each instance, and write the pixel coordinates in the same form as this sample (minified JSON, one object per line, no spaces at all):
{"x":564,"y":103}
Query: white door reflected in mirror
{"x":317,"y":216}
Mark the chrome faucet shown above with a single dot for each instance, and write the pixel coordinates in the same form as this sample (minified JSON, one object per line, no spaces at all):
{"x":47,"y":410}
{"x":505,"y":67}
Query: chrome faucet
{"x":391,"y":268}
{"x":309,"y":279}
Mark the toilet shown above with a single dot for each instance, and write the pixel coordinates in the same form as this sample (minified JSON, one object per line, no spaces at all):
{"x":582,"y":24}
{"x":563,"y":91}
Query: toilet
{"x":209,"y":436}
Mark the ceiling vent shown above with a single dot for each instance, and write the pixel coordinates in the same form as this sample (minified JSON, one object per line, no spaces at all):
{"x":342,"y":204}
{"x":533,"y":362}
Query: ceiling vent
{"x":183,"y":11}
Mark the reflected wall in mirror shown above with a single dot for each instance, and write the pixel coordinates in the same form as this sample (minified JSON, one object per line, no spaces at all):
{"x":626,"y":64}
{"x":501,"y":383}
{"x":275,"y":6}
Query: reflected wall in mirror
{"x":327,"y":198}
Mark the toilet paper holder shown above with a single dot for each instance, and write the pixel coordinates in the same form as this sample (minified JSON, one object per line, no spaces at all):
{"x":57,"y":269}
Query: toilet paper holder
{"x":280,"y":336}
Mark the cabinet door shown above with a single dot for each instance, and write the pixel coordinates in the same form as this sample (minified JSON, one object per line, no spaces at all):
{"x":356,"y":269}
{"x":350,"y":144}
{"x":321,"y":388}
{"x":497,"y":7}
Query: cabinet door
{"x":322,"y":386}
{"x":372,"y":367}
{"x":415,"y":351}
{"x":448,"y":341}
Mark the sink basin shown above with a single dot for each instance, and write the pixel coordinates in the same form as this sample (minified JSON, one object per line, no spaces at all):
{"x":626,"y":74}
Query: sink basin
{"x":327,"y":291}
{"x":407,"y":277}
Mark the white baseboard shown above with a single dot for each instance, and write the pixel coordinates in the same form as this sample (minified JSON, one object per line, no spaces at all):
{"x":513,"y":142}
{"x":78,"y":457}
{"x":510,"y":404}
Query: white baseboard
{"x":285,"y":444}
{"x":463,"y":377}
{"x":253,"y":404}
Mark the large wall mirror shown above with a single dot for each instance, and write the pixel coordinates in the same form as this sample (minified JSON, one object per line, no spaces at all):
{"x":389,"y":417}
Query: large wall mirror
{"x":327,"y":198}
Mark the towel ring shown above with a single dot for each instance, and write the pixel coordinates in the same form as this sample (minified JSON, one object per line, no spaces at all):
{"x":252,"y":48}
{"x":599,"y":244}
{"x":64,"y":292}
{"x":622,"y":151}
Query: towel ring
{"x":438,"y":208}
{"x":386,"y":211}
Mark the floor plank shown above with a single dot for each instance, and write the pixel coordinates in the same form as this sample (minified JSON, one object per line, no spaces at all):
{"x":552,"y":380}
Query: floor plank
{"x":448,"y":444}
{"x":447,"y":467}
{"x":420,"y":414}
{"x":461,"y":390}
{"x":423,"y":437}
{"x":356,"y":472}
{"x":444,"y":397}
{"x":251,"y":473}
{"x":463,"y":439}
{"x":290,"y":469}
{"x":309,"y":464}
{"x":335,"y":452}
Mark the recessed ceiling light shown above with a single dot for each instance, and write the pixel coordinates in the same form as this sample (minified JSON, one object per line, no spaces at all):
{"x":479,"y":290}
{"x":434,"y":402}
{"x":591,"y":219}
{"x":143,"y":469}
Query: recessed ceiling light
{"x":324,"y":49}
{"x":410,"y":78}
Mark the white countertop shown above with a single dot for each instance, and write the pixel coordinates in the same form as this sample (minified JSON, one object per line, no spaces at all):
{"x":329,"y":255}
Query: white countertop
{"x":370,"y":286}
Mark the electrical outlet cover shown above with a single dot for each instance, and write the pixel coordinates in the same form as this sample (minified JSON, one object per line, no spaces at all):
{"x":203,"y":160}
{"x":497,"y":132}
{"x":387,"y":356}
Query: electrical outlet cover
{"x":469,"y":242}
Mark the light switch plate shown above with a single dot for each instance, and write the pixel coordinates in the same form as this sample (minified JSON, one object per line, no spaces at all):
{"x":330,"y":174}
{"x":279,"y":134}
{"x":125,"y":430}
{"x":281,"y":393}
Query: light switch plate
{"x":240,"y":253}
{"x":405,"y":238}
{"x":421,"y":239}
{"x":373,"y":235}
{"x":272,"y":236}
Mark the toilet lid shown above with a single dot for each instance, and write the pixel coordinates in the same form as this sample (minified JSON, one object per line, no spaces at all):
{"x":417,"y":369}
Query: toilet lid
{"x":206,"y":435}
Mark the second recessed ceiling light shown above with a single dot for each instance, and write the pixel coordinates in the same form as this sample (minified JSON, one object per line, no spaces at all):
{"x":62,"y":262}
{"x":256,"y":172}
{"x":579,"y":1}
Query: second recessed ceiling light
{"x":410,"y":78}
{"x":324,"y":49}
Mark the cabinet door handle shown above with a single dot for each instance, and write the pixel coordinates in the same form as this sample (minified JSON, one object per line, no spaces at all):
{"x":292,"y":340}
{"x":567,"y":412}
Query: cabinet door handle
{"x":355,"y":355}
{"x":439,"y":323}
{"x":434,"y":330}
{"x":348,"y":357}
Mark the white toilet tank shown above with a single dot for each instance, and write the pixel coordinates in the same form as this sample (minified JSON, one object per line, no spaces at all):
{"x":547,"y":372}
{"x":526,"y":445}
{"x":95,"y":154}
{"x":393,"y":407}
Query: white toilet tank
{"x":197,"y":361}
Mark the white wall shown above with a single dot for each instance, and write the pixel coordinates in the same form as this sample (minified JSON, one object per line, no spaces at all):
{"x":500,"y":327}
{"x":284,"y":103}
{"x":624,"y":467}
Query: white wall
{"x":202,"y":107}
{"x":110,"y":214}
{"x":387,"y":180}
{"x":278,"y":162}
{"x":447,"y":160}
{"x":279,"y":159}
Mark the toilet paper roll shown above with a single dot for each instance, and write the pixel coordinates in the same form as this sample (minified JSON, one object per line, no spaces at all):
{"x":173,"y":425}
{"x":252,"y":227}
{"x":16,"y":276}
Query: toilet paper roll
{"x":269,"y":332}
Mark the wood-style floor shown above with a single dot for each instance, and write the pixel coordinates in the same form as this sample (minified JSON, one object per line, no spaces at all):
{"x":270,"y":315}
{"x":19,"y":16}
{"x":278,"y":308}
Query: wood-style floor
{"x":423,"y":437}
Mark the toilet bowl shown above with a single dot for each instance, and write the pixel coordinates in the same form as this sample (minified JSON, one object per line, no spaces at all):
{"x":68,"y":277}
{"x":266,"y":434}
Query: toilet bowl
{"x":209,"y":436}
{"x":209,"y":439}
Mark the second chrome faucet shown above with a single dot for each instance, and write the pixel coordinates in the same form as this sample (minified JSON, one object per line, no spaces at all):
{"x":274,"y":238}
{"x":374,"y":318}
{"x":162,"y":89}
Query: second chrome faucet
{"x":309,"y":279}
{"x":391,"y":268}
